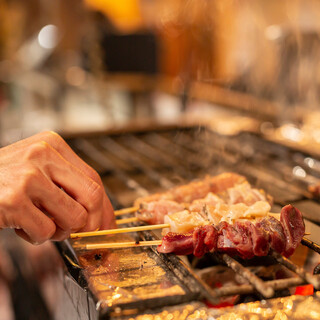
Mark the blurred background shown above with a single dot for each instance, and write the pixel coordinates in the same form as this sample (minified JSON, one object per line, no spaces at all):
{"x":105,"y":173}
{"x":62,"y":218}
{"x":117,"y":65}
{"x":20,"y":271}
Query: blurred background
{"x":97,"y":65}
{"x":94,"y":64}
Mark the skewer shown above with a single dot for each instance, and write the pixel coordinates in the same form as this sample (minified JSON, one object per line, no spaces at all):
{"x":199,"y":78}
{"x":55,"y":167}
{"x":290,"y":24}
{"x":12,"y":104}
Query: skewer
{"x":126,"y":211}
{"x":127,"y":220}
{"x":119,"y":245}
{"x":121,"y":230}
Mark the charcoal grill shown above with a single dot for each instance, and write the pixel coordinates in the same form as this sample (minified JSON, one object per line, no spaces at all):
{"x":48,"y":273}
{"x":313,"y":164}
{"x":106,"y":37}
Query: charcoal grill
{"x":134,"y":164}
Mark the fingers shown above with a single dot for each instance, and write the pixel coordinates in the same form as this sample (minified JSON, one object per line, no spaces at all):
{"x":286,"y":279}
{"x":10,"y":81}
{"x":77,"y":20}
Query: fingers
{"x":36,"y":185}
{"x":79,"y":188}
{"x":108,"y":218}
{"x":99,"y":216}
{"x":81,"y":205}
{"x":58,"y":143}
{"x":67,"y":213}
{"x":35,"y":226}
{"x":60,"y":234}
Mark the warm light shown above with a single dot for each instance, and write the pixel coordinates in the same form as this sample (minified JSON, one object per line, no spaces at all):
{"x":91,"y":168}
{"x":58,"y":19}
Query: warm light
{"x":75,"y":76}
{"x":266,"y":127}
{"x":125,"y":14}
{"x":310,"y":162}
{"x":299,"y":172}
{"x":291,"y":132}
{"x":306,"y":290}
{"x":48,"y":36}
{"x":273,"y":32}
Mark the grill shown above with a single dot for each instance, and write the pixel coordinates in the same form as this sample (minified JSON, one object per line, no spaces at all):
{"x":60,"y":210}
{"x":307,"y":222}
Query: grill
{"x":134,"y":164}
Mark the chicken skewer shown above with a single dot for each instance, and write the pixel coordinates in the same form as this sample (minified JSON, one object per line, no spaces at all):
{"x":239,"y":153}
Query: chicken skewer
{"x":187,"y":193}
{"x":245,"y":238}
{"x":232,"y":190}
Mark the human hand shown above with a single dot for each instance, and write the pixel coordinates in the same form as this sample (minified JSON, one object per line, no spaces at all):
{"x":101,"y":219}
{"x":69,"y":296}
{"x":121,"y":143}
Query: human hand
{"x":47,"y":191}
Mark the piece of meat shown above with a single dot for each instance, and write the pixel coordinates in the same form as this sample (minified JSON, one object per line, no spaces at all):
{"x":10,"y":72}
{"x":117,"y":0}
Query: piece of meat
{"x":180,"y":244}
{"x":224,"y":181}
{"x":211,"y":237}
{"x":184,"y":221}
{"x":228,"y":238}
{"x":204,"y":240}
{"x":244,"y":193}
{"x":237,"y":239}
{"x":154,"y":212}
{"x":275,"y":233}
{"x":293,"y":227}
{"x":198,"y":197}
{"x":196,"y":189}
{"x":199,"y":189}
{"x":199,"y":248}
{"x":231,"y":213}
{"x":260,"y":240}
{"x":245,"y":238}
{"x":211,"y":199}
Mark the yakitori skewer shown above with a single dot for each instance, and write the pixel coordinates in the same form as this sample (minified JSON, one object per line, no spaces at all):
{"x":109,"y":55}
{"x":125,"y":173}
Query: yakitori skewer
{"x":122,"y":245}
{"x":126,"y":220}
{"x":125,"y":211}
{"x":120,"y":230}
{"x":119,"y":245}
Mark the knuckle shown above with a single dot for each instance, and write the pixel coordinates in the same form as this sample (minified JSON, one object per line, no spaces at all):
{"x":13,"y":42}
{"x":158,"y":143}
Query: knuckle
{"x":30,"y":174}
{"x":50,"y":134}
{"x":45,"y":232}
{"x":95,"y":193}
{"x":79,"y":218}
{"x":95,"y":176}
{"x":53,"y":136}
{"x":37,"y":150}
{"x":9,"y":198}
{"x":93,"y":225}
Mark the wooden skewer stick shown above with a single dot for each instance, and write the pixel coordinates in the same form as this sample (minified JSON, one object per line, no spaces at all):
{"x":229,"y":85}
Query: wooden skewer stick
{"x":121,"y":230}
{"x":126,"y":220}
{"x":125,"y":211}
{"x":115,"y":245}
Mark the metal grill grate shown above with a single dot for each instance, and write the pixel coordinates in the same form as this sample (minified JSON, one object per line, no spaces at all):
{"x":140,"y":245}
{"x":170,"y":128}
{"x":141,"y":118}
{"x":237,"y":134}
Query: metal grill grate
{"x":133,"y":165}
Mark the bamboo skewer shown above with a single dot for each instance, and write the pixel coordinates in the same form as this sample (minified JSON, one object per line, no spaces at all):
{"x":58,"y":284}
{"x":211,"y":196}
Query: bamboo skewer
{"x":126,"y":211}
{"x":127,"y":220}
{"x":121,"y":230}
{"x":119,"y":245}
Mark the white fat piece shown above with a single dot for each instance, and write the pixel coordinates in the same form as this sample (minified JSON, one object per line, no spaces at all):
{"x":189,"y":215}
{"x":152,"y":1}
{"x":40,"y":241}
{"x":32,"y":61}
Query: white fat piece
{"x":184,"y":221}
{"x":233,"y":212}
{"x":244,"y":193}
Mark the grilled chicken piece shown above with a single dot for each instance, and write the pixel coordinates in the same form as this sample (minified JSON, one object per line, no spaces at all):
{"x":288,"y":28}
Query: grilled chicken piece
{"x":244,"y":238}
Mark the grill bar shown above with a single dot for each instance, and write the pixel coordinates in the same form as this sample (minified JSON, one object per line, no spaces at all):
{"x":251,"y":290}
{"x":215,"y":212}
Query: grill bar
{"x":279,"y":284}
{"x":185,"y":156}
{"x":157,"y":156}
{"x":299,"y":271}
{"x":258,"y":155}
{"x":101,"y":158}
{"x":112,"y":146}
{"x":211,"y":155}
{"x":261,"y":286}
